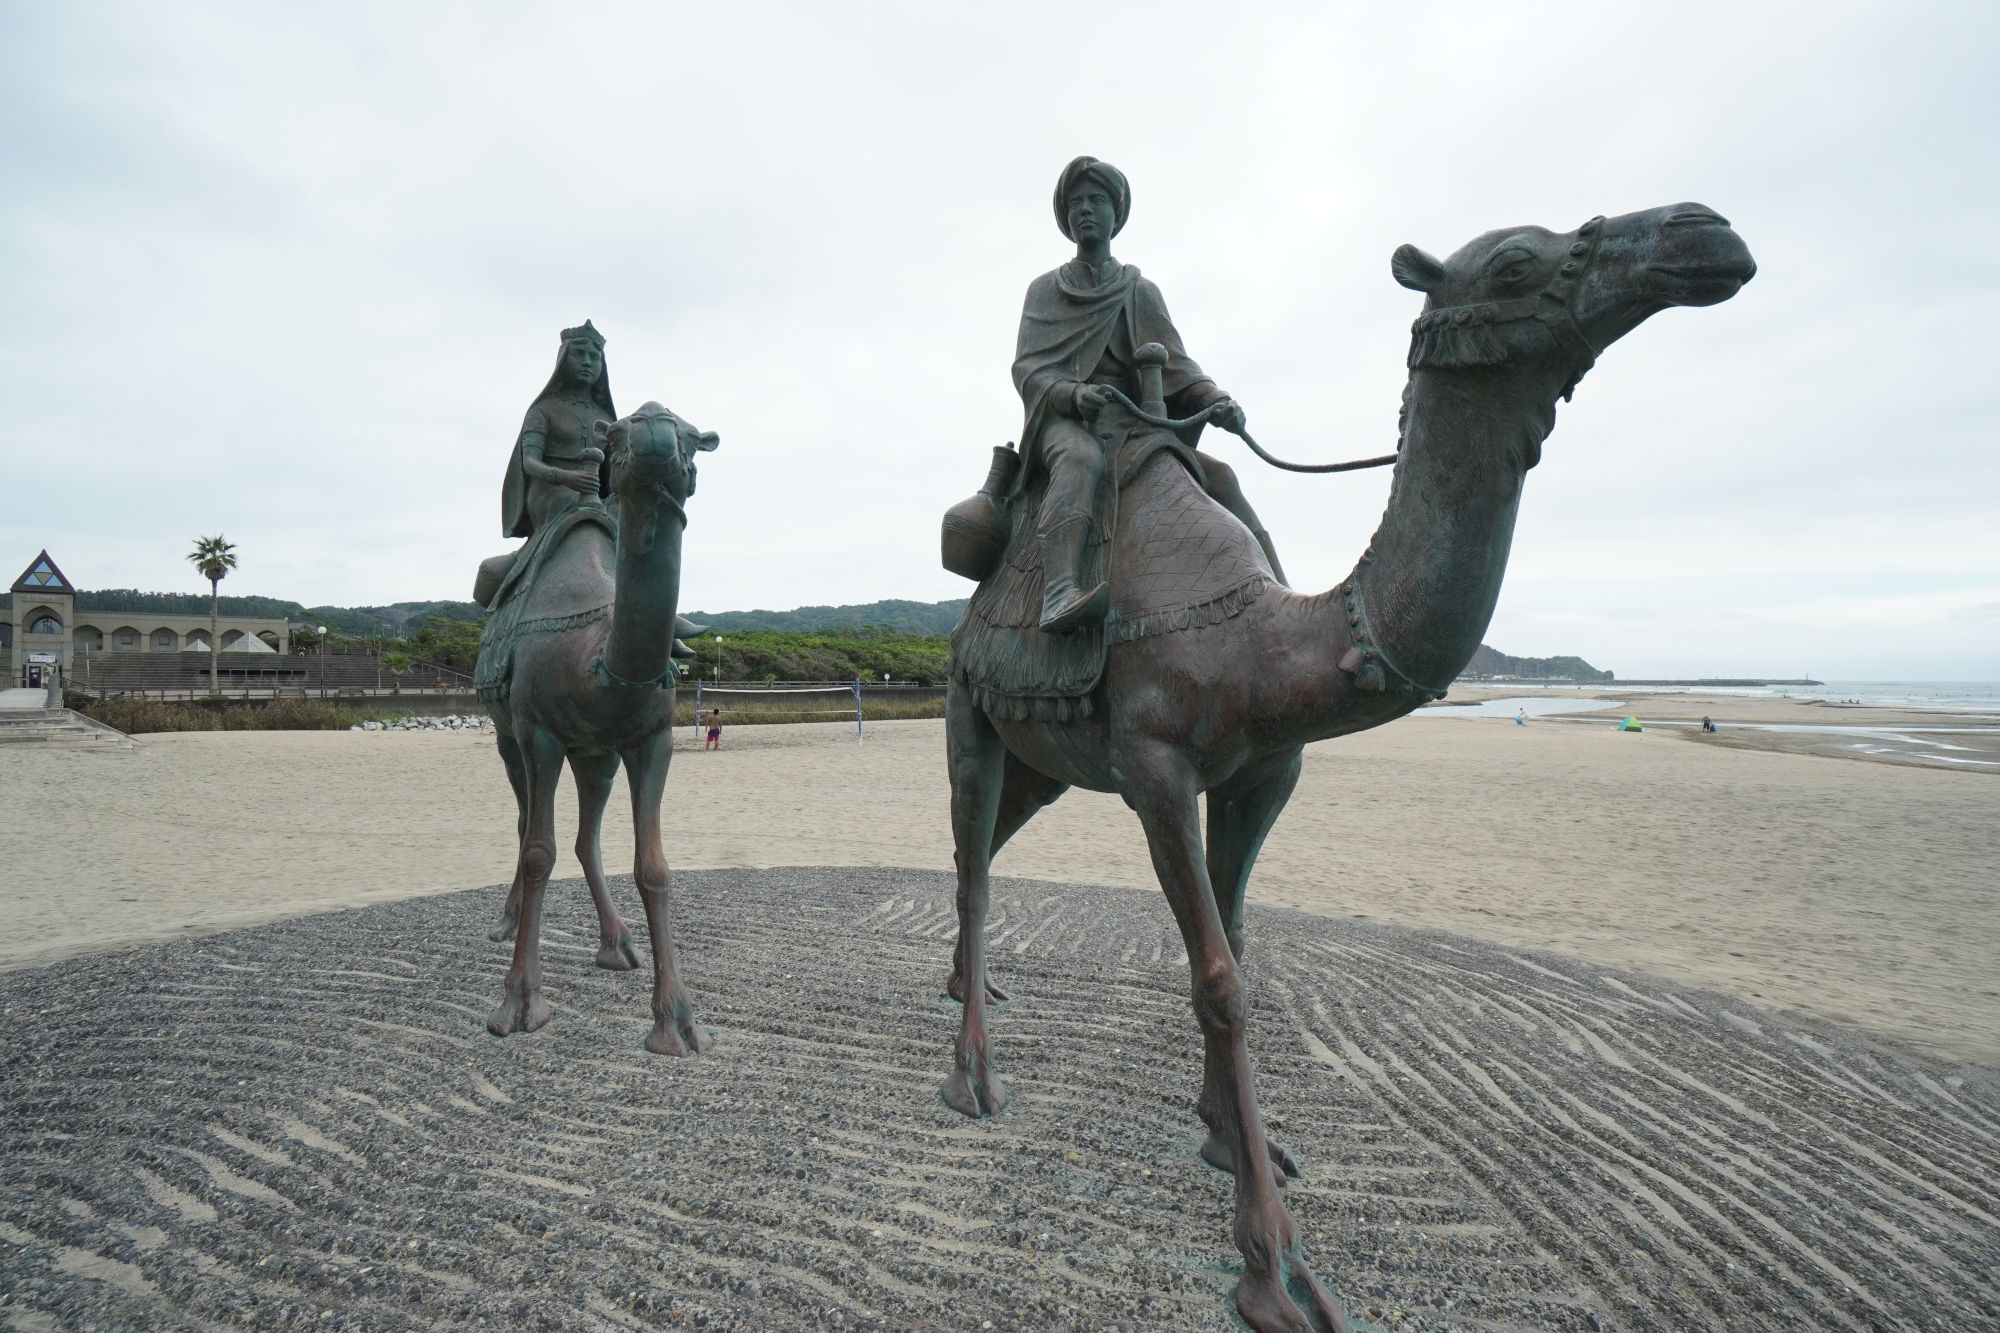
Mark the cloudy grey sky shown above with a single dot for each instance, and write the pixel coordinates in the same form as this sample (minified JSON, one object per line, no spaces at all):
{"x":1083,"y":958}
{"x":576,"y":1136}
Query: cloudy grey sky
{"x":293,"y":274}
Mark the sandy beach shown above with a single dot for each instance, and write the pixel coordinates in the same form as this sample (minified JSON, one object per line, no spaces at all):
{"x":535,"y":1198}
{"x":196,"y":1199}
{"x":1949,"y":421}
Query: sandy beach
{"x":1860,"y":893}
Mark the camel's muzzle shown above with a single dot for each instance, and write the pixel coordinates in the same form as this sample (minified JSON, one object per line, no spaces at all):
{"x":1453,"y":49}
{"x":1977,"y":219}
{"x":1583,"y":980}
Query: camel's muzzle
{"x":1697,"y":258}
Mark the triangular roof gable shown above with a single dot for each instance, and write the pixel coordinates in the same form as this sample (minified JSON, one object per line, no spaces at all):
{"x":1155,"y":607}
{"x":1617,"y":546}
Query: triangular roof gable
{"x":42,"y":575}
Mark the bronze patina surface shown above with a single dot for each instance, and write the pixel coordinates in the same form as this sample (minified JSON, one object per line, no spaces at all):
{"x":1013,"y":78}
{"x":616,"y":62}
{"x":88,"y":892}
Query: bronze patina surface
{"x":1214,"y":674}
{"x":575,"y":664}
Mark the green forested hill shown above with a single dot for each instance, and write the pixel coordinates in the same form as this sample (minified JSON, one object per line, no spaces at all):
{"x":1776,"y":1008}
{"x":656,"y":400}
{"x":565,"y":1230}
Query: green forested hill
{"x":834,"y":655}
{"x":1491,"y":662}
{"x":349,"y":622}
{"x":183,"y":603}
{"x":904,"y":638}
{"x":903,"y":616}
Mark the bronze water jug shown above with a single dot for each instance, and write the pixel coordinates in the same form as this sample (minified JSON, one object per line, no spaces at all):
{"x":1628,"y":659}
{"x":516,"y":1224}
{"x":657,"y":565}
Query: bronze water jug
{"x":975,"y":529}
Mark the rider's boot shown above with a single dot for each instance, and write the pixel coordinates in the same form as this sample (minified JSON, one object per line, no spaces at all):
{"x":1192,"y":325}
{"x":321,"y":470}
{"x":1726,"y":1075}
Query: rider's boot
{"x":1065,"y":604}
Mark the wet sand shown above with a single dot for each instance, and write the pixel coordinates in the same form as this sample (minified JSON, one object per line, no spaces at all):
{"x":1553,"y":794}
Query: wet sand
{"x":1927,"y":738}
{"x":1865,"y":894}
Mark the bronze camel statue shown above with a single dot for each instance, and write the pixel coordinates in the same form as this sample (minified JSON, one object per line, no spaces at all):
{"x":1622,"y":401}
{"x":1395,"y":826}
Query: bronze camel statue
{"x":1222,"y":703}
{"x":582,"y":672}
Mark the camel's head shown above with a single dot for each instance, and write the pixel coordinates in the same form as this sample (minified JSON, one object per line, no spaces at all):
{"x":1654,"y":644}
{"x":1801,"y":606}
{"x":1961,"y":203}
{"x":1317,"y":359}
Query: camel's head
{"x":653,"y":450}
{"x":1526,"y":294}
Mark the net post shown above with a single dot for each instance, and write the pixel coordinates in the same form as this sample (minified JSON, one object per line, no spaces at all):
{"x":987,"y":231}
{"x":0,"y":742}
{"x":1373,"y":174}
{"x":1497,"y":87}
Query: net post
{"x":697,"y":707}
{"x":859,"y":739}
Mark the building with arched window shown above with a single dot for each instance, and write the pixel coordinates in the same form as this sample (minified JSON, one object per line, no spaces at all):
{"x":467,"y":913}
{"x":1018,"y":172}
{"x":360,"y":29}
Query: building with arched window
{"x":41,"y":631}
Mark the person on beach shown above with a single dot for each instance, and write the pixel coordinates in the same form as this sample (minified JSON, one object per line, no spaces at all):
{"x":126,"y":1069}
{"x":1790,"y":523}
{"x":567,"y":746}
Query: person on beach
{"x":1520,"y":717}
{"x":1707,"y":727}
{"x":714,"y":730}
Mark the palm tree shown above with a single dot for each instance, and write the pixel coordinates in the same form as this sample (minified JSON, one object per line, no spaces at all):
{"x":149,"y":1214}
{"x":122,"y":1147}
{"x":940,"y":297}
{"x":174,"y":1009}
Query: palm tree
{"x":214,"y":557}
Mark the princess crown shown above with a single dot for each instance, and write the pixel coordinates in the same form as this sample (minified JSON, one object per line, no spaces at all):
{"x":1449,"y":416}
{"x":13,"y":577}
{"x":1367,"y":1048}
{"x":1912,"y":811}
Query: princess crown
{"x":585,"y":330}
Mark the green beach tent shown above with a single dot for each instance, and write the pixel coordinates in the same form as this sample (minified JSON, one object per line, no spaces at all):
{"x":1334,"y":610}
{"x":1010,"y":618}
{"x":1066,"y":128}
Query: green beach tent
{"x":1630,"y":724}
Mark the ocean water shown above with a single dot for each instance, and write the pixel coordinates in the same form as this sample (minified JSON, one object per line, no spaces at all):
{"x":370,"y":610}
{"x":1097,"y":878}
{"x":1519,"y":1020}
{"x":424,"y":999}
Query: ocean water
{"x":1958,"y":733}
{"x":1962,"y":696}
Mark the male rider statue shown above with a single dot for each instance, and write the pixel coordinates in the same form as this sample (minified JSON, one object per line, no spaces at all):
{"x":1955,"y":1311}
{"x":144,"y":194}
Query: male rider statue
{"x":1079,"y":329}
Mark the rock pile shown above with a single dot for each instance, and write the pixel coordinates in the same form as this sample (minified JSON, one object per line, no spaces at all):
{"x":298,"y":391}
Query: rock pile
{"x":454,"y":722}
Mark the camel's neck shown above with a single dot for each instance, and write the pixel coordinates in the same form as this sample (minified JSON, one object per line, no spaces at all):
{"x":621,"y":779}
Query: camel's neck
{"x":1428,"y":583}
{"x":645,"y":598}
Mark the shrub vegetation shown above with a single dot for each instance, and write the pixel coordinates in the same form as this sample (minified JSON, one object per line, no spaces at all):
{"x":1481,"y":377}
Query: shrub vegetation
{"x":138,"y":716}
{"x":829,"y":655}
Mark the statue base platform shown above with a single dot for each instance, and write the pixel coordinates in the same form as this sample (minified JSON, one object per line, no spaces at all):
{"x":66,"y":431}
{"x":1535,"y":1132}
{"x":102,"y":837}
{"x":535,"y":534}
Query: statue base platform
{"x":255,"y":1128}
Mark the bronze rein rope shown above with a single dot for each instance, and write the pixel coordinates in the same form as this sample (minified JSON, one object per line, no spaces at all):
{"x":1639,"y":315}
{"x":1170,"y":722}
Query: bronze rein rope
{"x":1199,"y":418}
{"x":1583,"y":253}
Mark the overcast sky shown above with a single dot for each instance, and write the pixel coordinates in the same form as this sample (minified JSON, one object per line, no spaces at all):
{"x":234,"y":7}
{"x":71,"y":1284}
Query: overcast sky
{"x":294,"y":273}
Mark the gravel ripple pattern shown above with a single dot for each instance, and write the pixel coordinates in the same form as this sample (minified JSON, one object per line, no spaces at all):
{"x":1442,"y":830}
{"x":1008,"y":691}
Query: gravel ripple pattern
{"x":306,"y":1125}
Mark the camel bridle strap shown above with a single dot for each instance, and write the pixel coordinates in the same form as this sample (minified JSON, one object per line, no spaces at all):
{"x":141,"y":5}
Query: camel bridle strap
{"x":1457,"y":335}
{"x":606,"y":676}
{"x":1557,"y":296}
{"x":1366,"y":660}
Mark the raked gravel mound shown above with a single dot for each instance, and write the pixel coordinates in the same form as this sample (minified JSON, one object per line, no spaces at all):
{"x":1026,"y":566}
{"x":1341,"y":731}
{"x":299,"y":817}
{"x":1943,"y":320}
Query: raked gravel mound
{"x":307,"y":1125}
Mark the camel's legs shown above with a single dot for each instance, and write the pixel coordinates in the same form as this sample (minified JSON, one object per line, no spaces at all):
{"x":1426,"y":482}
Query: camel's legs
{"x":1160,"y":786}
{"x":594,"y":776}
{"x":1239,"y":819}
{"x":522,"y":1008}
{"x":977,"y":763}
{"x":674,"y":1031}
{"x":1023,"y":793}
{"x":517,"y":777}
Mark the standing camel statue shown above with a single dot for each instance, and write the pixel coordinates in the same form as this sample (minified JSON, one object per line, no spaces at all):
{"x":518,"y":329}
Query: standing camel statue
{"x":1214,"y":675}
{"x":579,"y":668}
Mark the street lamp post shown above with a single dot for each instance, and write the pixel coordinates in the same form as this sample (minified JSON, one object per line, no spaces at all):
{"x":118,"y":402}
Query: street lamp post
{"x":322,"y":662}
{"x":718,"y":659}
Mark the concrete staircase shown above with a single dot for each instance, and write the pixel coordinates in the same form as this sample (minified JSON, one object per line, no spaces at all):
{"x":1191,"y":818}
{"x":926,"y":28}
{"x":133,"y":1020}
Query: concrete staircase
{"x":59,"y":726}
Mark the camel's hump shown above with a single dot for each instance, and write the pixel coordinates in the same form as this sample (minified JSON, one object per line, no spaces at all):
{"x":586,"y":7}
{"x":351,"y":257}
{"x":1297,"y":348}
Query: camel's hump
{"x":1179,"y":556}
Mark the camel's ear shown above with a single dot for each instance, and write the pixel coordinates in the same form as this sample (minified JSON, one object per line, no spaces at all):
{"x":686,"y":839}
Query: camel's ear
{"x":1415,"y":269}
{"x":706,"y":441}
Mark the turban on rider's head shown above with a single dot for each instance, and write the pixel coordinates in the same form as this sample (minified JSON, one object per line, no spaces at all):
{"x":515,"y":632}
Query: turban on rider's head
{"x":1111,"y":178}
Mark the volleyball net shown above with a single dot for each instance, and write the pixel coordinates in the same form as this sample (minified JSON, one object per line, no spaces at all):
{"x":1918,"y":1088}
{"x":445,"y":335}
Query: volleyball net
{"x":833,"y":701}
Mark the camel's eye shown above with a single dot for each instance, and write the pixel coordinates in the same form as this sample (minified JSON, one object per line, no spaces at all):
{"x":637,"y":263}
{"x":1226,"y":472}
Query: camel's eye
{"x":1514,"y":268}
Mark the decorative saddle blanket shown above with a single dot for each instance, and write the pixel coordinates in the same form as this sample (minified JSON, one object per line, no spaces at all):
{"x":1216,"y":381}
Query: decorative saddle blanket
{"x":493,"y":672}
{"x":1182,"y":561}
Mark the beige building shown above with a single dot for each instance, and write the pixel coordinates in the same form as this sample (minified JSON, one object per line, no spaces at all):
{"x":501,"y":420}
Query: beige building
{"x":41,"y":630}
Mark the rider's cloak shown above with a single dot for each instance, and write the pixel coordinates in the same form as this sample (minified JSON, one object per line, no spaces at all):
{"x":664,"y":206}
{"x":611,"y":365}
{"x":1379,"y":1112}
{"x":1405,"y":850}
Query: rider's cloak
{"x":548,"y":410}
{"x":1066,"y":331}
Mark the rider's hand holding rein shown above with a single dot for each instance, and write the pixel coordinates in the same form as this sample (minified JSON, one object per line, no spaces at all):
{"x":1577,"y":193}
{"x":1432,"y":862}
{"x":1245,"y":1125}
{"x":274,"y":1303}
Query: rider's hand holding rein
{"x":1090,"y":400}
{"x":1227,"y":414}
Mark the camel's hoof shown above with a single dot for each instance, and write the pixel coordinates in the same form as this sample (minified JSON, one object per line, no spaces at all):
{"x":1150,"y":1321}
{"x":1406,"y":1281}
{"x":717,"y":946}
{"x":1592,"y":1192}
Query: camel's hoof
{"x":1215,"y":1150}
{"x":617,"y":954}
{"x":978,"y":1095}
{"x":955,"y":990}
{"x":667,"y":1039}
{"x":513,"y":1016}
{"x":1295,"y":1304}
{"x":503,"y":932}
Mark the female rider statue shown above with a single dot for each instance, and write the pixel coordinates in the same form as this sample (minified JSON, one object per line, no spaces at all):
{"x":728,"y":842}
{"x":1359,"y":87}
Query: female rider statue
{"x":1079,"y":329}
{"x":556,"y":470}
{"x":555,"y":464}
